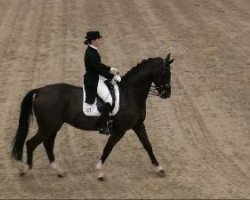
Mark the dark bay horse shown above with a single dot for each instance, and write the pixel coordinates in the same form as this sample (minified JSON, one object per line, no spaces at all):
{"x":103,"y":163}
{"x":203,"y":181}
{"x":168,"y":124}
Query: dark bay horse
{"x":61,"y":103}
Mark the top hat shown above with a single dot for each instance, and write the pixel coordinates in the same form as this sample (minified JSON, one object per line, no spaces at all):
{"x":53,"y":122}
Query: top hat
{"x":93,"y":35}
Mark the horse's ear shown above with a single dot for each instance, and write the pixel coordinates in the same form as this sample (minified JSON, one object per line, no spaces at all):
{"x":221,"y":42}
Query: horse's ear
{"x":169,"y":62}
{"x":167,"y":58}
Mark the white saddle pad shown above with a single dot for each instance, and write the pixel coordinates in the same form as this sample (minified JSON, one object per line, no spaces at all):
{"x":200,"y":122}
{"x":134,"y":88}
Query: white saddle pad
{"x":91,"y":109}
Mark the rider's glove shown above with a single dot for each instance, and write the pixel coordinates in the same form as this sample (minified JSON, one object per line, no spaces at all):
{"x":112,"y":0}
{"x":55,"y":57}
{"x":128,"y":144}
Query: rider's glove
{"x":116,"y":78}
{"x":114,"y":71}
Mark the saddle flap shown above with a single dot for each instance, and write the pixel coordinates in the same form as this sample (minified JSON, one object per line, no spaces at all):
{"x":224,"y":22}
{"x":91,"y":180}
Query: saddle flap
{"x":95,"y":109}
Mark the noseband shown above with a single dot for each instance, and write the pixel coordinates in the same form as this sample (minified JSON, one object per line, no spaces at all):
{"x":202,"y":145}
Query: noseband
{"x":154,"y":89}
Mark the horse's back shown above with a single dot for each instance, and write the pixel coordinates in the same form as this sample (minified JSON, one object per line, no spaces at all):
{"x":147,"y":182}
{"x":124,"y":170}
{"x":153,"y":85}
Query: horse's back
{"x":53,"y":99}
{"x":56,"y":92}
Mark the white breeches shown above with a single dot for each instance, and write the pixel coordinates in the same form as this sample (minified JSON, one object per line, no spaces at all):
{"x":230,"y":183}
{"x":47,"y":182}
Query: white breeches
{"x":103,"y":91}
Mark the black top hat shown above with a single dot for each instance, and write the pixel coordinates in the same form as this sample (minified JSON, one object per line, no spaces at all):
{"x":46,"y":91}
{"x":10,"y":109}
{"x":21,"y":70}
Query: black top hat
{"x":92,"y":35}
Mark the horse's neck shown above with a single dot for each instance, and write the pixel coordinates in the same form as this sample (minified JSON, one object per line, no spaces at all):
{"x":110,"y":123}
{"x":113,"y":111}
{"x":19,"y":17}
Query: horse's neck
{"x":139,"y":84}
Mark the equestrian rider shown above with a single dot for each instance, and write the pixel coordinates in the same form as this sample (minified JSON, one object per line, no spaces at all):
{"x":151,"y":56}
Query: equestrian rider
{"x":95,"y":75}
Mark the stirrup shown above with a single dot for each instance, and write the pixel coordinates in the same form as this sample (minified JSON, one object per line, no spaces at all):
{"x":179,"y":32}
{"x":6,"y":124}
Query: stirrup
{"x":107,"y":129}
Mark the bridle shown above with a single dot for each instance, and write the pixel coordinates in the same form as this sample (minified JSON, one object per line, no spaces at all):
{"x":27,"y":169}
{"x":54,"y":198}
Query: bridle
{"x":154,"y":89}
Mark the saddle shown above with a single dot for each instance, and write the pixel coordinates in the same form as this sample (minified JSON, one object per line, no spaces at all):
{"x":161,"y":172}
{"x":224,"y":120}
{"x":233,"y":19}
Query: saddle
{"x":95,"y":109}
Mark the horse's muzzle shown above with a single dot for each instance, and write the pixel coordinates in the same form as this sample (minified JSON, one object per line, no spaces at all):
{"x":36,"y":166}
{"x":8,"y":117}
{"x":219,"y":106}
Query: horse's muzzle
{"x":165,"y":94}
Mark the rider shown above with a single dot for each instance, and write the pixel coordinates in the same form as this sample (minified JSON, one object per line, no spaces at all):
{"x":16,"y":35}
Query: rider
{"x":96,"y":73}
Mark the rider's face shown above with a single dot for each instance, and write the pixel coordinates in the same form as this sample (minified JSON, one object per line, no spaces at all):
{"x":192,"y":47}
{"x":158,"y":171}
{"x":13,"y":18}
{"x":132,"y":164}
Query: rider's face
{"x":97,"y":42}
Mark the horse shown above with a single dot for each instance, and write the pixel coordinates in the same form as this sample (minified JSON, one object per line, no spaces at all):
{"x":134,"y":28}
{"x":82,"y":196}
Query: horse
{"x":56,"y":104}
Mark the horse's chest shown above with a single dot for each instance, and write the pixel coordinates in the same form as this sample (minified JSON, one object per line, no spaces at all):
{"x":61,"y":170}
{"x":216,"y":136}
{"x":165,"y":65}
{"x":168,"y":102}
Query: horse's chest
{"x":130,"y":118}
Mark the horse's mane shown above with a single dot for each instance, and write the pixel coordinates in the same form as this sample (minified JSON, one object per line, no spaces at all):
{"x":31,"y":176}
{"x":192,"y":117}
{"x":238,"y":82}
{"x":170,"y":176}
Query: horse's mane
{"x":138,"y":67}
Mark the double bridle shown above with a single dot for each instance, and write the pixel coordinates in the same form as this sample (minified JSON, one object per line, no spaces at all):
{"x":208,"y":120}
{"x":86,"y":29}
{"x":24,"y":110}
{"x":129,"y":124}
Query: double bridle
{"x":154,"y":89}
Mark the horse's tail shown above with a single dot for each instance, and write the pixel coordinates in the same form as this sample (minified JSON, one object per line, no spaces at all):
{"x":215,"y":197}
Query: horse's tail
{"x":23,"y":127}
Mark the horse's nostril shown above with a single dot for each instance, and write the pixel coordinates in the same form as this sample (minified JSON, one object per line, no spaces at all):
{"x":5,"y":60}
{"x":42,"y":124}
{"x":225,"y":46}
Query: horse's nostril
{"x":164,"y":95}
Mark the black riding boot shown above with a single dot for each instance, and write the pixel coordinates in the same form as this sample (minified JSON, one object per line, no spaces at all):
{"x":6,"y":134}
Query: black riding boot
{"x":104,"y":127}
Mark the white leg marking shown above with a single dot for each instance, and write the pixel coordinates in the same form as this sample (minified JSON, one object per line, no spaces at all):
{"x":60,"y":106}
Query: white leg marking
{"x":100,"y":175}
{"x":159,"y":168}
{"x":99,"y":165}
{"x":56,"y":167}
{"x":22,"y":167}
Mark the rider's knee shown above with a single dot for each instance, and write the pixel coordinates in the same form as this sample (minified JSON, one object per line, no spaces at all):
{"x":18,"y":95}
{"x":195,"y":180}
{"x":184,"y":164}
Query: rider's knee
{"x":109,"y":100}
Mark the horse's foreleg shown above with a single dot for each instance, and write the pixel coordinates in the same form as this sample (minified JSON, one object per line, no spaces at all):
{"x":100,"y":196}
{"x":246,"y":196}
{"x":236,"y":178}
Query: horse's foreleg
{"x":112,"y":141}
{"x":140,"y":131}
{"x":49,"y":147}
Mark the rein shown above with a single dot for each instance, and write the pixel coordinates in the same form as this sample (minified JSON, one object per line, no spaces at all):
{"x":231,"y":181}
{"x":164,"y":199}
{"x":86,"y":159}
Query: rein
{"x":154,"y":89}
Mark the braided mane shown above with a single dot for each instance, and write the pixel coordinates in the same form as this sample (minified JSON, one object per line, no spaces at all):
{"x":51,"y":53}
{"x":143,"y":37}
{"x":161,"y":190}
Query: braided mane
{"x":133,"y":71}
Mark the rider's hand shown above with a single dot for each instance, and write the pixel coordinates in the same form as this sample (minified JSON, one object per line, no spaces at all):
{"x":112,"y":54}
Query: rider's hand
{"x":114,"y":71}
{"x":116,"y":78}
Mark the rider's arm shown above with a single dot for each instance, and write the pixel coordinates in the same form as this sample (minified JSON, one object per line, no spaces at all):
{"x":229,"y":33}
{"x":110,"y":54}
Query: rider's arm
{"x":101,"y":68}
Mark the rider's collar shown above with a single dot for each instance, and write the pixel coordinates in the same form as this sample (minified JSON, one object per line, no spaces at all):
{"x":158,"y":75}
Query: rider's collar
{"x":94,"y":47}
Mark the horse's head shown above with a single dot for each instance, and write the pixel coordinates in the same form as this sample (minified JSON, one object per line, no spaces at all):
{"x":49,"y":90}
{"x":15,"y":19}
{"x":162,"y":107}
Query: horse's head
{"x":162,"y":79}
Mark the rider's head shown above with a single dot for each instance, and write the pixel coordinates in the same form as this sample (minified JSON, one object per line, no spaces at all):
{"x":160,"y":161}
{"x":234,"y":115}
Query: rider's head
{"x":93,"y":38}
{"x":97,"y":42}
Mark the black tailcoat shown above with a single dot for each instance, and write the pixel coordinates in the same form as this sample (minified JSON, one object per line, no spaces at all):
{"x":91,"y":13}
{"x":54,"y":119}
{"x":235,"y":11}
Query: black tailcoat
{"x":94,"y":68}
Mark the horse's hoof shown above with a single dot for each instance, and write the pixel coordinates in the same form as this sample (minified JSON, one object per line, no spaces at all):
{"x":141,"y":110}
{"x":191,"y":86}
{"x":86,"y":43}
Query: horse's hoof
{"x":161,"y":173}
{"x":22,"y":174}
{"x":23,"y":168}
{"x":62,"y":175}
{"x":101,"y":178}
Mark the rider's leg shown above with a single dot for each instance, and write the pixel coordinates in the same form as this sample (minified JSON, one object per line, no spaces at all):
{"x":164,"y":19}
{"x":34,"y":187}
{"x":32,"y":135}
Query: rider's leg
{"x":104,"y":118}
{"x":103,"y":93}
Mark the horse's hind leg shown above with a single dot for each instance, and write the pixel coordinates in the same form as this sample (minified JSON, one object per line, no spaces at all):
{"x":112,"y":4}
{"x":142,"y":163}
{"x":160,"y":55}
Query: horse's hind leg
{"x":49,"y":147}
{"x":31,"y":146}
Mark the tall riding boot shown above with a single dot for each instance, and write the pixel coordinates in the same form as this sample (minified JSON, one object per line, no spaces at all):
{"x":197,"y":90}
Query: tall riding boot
{"x":104,"y":128}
